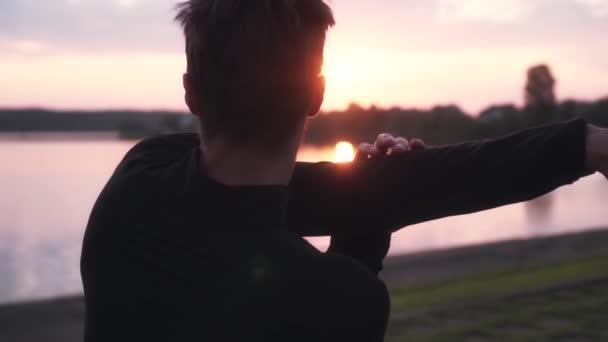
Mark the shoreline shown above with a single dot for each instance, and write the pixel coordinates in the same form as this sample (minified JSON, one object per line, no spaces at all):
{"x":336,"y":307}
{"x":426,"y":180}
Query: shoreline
{"x":62,"y":318}
{"x":411,"y":269}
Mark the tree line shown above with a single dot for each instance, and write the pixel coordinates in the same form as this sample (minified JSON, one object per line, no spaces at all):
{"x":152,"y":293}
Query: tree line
{"x":438,"y":125}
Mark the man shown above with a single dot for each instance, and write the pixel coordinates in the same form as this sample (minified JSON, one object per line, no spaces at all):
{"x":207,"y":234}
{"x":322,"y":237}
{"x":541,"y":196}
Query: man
{"x":193,"y":239}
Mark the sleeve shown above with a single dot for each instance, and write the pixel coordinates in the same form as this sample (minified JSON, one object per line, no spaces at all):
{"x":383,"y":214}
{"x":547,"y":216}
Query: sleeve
{"x":392,"y":192}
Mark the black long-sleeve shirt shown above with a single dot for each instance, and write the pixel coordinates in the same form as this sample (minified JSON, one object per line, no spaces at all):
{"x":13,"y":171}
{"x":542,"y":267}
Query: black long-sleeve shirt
{"x":390,"y":193}
{"x":172,"y":255}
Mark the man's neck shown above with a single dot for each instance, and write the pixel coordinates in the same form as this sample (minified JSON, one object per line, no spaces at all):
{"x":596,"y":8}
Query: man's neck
{"x":245,"y":165}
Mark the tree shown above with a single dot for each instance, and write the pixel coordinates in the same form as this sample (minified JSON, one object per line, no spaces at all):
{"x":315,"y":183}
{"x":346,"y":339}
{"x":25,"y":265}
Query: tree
{"x":539,"y":89}
{"x":539,"y":95}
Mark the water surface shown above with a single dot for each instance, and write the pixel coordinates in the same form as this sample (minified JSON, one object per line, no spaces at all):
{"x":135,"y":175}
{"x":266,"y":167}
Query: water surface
{"x":48,"y":189}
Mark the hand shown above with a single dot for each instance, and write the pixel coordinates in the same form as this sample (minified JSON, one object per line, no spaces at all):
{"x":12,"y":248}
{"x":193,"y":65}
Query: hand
{"x":369,"y":249}
{"x":386,"y":144}
{"x":597,"y":149}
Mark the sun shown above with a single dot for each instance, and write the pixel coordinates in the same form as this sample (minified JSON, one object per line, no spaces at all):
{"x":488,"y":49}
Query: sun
{"x":344,"y":153}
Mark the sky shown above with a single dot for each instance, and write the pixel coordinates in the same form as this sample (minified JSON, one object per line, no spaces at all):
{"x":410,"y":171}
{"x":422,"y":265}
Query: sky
{"x":116,"y":54}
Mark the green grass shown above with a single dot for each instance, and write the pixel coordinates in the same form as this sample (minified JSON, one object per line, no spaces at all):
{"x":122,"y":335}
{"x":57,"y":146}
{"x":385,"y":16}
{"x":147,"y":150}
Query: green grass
{"x":524,"y":304}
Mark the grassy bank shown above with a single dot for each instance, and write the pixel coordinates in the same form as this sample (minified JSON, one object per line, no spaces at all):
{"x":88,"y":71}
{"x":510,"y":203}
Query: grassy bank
{"x":548,"y":289}
{"x":564,"y":301}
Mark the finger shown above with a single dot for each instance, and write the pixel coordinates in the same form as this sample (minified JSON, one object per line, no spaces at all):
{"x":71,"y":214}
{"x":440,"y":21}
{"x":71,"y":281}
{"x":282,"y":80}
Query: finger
{"x":399,"y":149}
{"x":384,"y":141}
{"x":366,"y":150}
{"x":402,"y":141}
{"x":417,"y":144}
{"x":401,"y":146}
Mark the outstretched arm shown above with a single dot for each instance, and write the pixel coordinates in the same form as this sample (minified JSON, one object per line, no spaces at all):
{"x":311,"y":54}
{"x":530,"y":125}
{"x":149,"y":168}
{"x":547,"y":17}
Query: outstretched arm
{"x":396,"y":191}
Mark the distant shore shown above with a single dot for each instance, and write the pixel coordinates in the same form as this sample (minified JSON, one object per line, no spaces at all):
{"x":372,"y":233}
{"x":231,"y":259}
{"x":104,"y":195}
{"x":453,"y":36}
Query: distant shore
{"x":520,"y":262}
{"x":438,"y":125}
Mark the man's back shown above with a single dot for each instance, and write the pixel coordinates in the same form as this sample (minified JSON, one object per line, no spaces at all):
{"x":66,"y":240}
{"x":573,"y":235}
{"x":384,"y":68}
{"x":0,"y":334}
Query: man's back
{"x":172,"y":255}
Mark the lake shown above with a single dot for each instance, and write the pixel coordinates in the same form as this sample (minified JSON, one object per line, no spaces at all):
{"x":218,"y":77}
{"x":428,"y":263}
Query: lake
{"x":48,"y":188}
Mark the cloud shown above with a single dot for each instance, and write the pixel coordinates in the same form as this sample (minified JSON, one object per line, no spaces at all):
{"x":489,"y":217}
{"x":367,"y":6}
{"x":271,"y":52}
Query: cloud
{"x":27,"y":46}
{"x":21,"y":46}
{"x":92,"y":25}
{"x":503,"y":11}
{"x":107,"y":26}
{"x":127,"y":3}
{"x":484,"y":10}
{"x":598,"y":8}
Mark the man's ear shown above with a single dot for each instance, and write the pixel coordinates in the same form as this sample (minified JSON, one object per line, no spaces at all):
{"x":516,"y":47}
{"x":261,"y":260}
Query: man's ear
{"x":318,"y":96}
{"x":190,"y":95}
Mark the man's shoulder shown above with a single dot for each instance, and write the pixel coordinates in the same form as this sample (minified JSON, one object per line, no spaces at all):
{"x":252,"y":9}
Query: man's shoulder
{"x":152,"y":165}
{"x":157,"y":153}
{"x":151,"y":173}
{"x":174,"y":140}
{"x":164,"y":147}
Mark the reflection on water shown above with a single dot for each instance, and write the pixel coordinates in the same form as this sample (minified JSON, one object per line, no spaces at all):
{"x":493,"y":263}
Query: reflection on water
{"x":49,"y":187}
{"x":344,"y":152}
{"x":539,"y":210}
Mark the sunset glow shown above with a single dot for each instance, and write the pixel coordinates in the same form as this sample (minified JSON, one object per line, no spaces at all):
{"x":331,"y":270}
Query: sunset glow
{"x":345,"y":152}
{"x":418,"y":53}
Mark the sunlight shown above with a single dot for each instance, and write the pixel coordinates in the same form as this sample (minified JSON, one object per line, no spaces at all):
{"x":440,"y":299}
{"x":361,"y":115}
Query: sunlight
{"x":342,"y":82}
{"x":345,"y":152}
{"x":340,"y":74}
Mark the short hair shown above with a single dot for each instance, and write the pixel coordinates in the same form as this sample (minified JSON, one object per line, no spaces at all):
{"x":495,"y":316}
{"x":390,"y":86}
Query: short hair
{"x":253,"y":63}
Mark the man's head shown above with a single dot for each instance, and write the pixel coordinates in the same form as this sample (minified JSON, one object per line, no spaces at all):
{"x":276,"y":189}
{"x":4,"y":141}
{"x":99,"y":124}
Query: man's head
{"x":254,"y":66}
